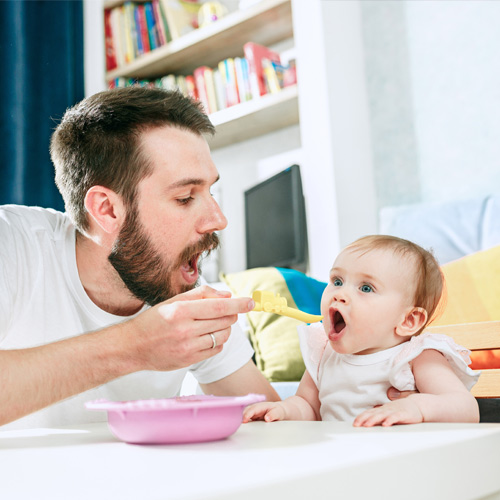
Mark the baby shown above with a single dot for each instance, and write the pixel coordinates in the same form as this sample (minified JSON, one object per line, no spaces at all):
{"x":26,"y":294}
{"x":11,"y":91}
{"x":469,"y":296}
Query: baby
{"x":381,"y":294}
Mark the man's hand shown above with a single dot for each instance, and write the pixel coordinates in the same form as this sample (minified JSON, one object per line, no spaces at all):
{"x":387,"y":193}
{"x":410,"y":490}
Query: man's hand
{"x":169,"y":336}
{"x":177,"y":333}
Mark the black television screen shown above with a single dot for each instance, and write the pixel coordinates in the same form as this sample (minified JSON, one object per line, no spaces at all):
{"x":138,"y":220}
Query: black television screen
{"x":275,"y":217}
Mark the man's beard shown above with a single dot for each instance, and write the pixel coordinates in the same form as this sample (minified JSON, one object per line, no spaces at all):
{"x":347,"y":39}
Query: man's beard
{"x":141,"y":267}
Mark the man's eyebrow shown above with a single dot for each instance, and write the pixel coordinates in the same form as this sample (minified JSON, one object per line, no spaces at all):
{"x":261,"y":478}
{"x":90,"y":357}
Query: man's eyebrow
{"x":191,"y":181}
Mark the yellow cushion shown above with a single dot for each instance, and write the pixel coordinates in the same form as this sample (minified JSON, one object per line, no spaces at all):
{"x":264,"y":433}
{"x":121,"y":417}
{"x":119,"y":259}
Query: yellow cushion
{"x":473,"y":288}
{"x":473,"y":295}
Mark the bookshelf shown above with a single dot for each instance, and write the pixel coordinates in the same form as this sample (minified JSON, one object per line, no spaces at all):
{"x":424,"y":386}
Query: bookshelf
{"x":257,"y":117}
{"x":215,"y":42}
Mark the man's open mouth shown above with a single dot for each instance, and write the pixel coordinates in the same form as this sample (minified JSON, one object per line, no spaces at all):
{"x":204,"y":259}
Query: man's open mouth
{"x":191,"y":266}
{"x":337,"y":321}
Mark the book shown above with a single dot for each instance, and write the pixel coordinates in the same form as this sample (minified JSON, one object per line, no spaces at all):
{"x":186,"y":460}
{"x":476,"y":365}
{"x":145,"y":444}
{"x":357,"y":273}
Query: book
{"x":138,"y":42}
{"x":151,"y":26}
{"x":143,"y":32}
{"x":209,"y":85}
{"x":273,"y":75}
{"x":191,"y":87}
{"x":121,"y":46}
{"x":222,"y":79}
{"x":242,"y":79}
{"x":108,"y":42}
{"x":231,"y":84}
{"x":254,"y":54}
{"x":199,"y":77}
{"x":128,"y":25}
{"x":160,"y":23}
{"x":178,"y":18}
{"x":220,"y":89}
{"x":168,"y":82}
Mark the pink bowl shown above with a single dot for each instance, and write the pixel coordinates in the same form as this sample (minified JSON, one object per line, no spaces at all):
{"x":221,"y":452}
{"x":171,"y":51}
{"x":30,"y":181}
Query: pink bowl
{"x":185,"y":419}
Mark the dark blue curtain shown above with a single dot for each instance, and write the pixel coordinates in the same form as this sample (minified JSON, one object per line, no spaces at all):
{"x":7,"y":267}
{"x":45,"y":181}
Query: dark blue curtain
{"x":41,"y":48}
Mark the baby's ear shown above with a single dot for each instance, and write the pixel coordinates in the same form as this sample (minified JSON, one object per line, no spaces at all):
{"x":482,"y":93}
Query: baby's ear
{"x":412,"y":322}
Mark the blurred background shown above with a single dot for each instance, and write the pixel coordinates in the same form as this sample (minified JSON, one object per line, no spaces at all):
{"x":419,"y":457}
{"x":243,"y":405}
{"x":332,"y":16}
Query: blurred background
{"x":396,"y":102}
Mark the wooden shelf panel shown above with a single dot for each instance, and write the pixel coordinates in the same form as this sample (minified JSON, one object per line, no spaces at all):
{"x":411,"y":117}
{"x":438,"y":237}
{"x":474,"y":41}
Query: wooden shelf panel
{"x":255,"y":118}
{"x":213,"y":43}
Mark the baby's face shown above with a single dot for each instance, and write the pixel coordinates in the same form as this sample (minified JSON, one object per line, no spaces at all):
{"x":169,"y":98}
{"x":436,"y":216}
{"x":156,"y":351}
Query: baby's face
{"x":367,"y":296}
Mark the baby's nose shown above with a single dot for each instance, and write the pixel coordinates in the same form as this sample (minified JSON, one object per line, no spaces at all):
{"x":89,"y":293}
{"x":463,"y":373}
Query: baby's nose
{"x":340,"y":296}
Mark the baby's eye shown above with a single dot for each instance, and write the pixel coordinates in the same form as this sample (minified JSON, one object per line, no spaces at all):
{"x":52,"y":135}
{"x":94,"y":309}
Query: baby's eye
{"x":337,"y":282}
{"x":366,"y":288}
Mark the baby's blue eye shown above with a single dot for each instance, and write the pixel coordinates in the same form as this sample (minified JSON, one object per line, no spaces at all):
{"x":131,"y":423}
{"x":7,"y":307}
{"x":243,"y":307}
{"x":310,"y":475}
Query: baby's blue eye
{"x":366,"y":288}
{"x":337,"y":282}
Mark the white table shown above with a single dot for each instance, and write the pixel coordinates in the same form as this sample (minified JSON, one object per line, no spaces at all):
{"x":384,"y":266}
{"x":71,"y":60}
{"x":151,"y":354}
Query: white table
{"x":283,"y":460}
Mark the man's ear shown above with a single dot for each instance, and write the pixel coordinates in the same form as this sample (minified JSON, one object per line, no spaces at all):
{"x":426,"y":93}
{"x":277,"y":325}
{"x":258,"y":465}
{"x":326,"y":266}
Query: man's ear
{"x":412,"y":322}
{"x":106,"y":208}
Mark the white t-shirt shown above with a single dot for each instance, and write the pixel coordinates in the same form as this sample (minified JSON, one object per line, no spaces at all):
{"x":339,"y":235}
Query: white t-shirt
{"x":42,"y":300}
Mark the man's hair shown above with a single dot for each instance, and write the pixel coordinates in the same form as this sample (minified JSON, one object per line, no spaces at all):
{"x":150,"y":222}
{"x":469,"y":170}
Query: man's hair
{"x":429,"y":279}
{"x":97,"y":141}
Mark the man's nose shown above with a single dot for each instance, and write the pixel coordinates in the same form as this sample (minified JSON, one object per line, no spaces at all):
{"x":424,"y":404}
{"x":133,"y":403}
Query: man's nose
{"x":214,"y":219}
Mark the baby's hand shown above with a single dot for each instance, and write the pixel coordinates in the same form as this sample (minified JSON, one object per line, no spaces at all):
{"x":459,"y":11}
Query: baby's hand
{"x":401,"y":411}
{"x":268,"y":411}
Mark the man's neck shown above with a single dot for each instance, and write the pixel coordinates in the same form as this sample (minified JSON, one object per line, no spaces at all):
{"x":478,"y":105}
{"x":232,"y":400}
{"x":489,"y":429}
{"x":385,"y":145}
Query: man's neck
{"x":101,"y":282}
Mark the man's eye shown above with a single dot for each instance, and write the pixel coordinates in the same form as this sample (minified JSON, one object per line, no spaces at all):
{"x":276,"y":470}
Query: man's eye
{"x":366,"y":288}
{"x":184,"y":201}
{"x":337,"y":282}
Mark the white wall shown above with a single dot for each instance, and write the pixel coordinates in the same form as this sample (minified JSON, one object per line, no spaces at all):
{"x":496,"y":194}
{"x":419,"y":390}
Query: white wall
{"x":433,"y":75}
{"x":94,"y":60}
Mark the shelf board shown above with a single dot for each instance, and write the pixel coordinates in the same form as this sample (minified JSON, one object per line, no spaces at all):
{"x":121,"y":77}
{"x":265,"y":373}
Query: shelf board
{"x":254,"y":118}
{"x":215,"y":42}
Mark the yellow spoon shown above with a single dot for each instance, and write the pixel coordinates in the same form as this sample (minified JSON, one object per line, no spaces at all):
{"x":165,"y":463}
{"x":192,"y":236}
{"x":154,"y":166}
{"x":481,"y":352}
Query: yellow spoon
{"x":268,"y":302}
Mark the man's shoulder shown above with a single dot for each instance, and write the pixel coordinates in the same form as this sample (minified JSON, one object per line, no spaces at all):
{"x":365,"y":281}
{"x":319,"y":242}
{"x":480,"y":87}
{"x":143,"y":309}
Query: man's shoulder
{"x":31,"y":219}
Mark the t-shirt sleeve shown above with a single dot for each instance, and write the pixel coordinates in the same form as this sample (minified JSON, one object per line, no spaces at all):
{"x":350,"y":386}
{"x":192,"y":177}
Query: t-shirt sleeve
{"x":312,"y":342}
{"x":457,"y":356}
{"x":236,"y":352}
{"x":9,"y":255}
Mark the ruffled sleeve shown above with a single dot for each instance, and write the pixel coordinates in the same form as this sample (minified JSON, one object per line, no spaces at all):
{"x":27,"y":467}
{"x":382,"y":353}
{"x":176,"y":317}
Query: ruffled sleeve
{"x":459,"y":358}
{"x":313,"y":341}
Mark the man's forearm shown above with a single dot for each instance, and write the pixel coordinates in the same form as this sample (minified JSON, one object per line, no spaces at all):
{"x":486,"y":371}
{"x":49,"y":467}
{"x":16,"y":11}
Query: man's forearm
{"x":34,"y":378}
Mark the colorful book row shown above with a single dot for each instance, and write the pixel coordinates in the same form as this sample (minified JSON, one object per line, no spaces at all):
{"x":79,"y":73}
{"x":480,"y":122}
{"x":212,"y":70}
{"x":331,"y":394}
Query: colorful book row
{"x":132,"y":30}
{"x":135,"y":28}
{"x":233,"y":81}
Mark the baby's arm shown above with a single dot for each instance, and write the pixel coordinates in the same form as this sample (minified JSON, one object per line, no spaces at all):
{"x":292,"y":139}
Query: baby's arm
{"x":303,"y":406}
{"x":442,"y":398}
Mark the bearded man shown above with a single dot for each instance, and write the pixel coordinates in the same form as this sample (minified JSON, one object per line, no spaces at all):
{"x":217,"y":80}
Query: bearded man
{"x":101,"y":301}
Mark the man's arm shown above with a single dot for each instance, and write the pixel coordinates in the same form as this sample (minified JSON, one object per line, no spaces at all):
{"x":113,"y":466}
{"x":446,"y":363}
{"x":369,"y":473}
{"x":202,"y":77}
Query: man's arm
{"x":248,"y":379}
{"x":167,"y":337}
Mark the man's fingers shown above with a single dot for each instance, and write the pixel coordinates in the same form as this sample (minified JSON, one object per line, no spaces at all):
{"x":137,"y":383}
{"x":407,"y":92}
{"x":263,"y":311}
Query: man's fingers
{"x":201,"y":292}
{"x":211,"y":341}
{"x":206,"y":309}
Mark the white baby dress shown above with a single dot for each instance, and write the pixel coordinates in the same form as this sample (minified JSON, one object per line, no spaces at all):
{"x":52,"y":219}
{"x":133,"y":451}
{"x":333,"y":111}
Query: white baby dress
{"x":349,"y":384}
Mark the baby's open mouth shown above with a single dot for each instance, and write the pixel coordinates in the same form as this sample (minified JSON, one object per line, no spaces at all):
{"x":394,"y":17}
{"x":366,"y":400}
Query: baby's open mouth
{"x":337,"y":321}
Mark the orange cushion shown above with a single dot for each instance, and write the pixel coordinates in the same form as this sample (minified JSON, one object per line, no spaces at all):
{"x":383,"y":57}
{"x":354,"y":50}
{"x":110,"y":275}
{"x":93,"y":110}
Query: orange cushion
{"x":473,"y":295}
